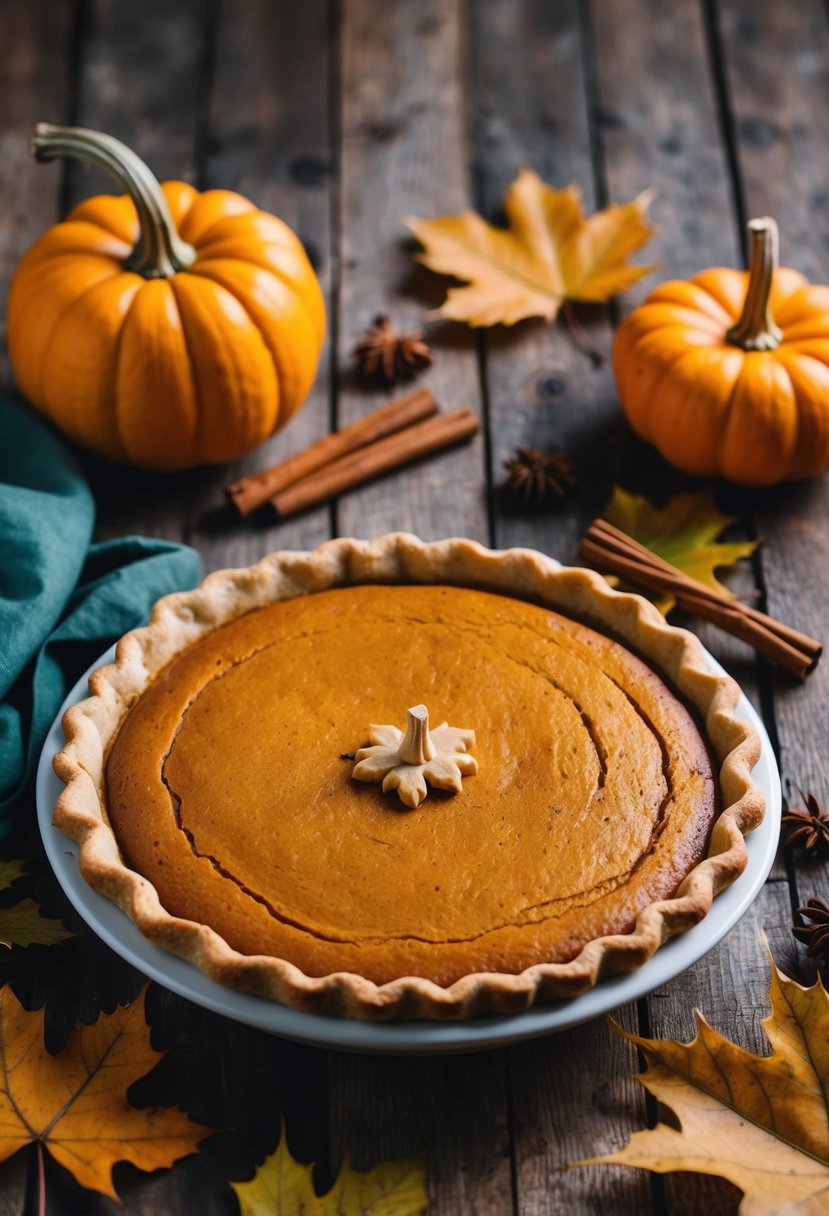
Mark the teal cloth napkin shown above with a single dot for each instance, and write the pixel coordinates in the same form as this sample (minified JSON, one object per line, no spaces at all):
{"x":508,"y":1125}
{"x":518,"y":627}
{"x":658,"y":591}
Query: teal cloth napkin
{"x":63,"y":600}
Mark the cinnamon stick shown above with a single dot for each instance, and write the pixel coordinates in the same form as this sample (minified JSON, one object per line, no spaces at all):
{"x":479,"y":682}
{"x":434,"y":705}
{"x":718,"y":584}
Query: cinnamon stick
{"x":363,"y":465}
{"x":619,"y":542}
{"x":614,"y":550}
{"x":251,"y":492}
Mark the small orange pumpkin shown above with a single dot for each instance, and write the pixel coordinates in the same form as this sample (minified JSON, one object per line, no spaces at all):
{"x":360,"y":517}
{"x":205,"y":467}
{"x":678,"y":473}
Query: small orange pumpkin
{"x":727,"y":374}
{"x":163,"y":327}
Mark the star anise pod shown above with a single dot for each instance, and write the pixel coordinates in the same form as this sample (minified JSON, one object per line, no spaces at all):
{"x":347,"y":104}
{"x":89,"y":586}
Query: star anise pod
{"x":811,"y":826}
{"x":815,"y":936}
{"x":385,"y":355}
{"x":535,"y":477}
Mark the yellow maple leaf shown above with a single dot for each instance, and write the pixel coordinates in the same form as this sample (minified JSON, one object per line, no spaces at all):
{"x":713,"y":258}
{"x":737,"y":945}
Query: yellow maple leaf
{"x":280,"y":1184}
{"x":23,"y":924}
{"x":684,"y":532}
{"x":74,"y":1104}
{"x":762,"y":1122}
{"x":549,"y":253}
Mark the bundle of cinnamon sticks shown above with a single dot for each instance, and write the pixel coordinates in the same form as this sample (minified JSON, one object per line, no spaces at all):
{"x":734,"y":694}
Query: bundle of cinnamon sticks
{"x":385,"y":439}
{"x":613,"y":550}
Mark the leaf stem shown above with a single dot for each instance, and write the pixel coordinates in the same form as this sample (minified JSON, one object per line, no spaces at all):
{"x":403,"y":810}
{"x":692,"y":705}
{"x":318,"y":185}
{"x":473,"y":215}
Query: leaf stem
{"x":580,"y":335}
{"x":41,"y":1179}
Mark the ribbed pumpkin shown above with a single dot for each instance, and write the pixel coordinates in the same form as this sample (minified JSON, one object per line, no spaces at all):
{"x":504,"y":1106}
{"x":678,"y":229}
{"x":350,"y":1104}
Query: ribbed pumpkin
{"x":727,"y":374}
{"x":163,"y":327}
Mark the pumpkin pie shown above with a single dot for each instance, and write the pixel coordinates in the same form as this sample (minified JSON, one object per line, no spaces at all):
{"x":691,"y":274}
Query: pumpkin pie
{"x":210,"y":779}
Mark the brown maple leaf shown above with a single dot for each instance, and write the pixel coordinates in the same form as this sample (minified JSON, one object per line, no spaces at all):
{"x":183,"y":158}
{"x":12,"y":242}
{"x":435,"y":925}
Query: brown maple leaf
{"x":74,"y":1104}
{"x":550,"y":253}
{"x":762,"y":1122}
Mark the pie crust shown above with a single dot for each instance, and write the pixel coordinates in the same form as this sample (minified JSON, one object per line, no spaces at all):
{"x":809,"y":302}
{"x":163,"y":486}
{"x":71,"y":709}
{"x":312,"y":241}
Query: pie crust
{"x":178,"y":621}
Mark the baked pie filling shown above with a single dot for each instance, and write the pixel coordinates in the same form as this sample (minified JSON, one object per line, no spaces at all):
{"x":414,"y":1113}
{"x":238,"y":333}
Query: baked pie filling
{"x":227,"y":787}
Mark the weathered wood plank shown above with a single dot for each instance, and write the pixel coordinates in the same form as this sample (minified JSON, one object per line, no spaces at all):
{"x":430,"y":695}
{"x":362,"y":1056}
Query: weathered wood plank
{"x":269,"y":138}
{"x":568,"y":1097}
{"x":34,"y":68}
{"x":384,"y":1108}
{"x":776,"y":68}
{"x":139,"y":80}
{"x":404,"y":153}
{"x":573,"y":1097}
{"x":543,"y":390}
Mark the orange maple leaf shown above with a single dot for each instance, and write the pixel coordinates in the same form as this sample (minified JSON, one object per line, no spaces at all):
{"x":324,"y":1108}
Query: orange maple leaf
{"x":549,"y":253}
{"x":75,"y":1105}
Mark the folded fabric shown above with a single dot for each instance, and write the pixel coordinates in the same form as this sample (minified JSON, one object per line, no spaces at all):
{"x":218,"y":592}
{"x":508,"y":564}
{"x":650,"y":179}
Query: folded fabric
{"x":62,"y":600}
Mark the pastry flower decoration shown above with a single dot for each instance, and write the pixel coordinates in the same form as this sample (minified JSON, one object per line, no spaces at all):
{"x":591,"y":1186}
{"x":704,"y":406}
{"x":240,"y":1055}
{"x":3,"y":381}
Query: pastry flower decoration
{"x":405,"y":762}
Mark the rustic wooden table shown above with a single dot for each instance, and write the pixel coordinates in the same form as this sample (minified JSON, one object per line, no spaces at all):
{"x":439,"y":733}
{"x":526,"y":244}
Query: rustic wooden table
{"x":342,"y":118}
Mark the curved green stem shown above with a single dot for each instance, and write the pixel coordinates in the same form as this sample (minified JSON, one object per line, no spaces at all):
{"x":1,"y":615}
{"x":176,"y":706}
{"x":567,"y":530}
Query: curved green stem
{"x":159,"y":251}
{"x":756,"y":329}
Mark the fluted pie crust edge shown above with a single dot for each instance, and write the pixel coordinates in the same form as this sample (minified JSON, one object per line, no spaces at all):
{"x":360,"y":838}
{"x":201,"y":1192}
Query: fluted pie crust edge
{"x":181,"y":619}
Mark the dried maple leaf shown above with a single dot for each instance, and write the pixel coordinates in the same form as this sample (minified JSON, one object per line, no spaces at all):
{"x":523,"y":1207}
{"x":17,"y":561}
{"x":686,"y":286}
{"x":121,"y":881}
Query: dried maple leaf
{"x":24,"y":924}
{"x":74,"y":1104}
{"x":684,"y":532}
{"x":280,"y":1184}
{"x":762,"y":1122}
{"x":549,"y":253}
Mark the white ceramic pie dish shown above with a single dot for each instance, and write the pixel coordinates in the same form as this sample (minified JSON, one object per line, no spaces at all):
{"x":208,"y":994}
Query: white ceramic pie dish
{"x":106,"y":919}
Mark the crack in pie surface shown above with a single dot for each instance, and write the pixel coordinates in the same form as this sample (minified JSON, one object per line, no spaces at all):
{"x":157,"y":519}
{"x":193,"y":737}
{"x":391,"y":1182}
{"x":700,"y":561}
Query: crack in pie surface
{"x":250,"y":850}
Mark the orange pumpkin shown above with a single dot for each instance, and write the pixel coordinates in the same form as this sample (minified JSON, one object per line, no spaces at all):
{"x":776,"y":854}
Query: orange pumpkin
{"x":727,"y":374}
{"x":163,"y":327}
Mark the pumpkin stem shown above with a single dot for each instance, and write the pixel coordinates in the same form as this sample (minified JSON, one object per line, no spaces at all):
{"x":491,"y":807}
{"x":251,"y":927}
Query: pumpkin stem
{"x":159,"y":251}
{"x":756,"y":329}
{"x":416,"y":746}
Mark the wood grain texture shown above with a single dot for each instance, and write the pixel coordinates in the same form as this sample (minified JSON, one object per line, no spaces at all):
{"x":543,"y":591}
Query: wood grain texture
{"x":659,"y":127}
{"x":270,"y":139}
{"x":776,"y":69}
{"x":451,"y":1107}
{"x":542,"y":390}
{"x":35,"y":68}
{"x":35,"y":39}
{"x":139,"y":80}
{"x":573,"y":1097}
{"x":404,"y":152}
